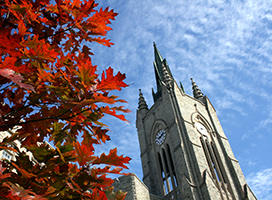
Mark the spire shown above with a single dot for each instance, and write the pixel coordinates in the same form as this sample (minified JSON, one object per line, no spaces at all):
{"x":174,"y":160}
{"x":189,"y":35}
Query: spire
{"x":142,"y":103}
{"x":160,"y":67}
{"x":158,"y":57}
{"x":196,"y":91}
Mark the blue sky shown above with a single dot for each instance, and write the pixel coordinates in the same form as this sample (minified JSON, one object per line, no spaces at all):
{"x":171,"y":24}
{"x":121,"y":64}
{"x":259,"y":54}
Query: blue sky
{"x":225,"y":46}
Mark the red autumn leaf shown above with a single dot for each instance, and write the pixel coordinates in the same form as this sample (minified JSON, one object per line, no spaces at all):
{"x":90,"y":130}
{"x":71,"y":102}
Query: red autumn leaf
{"x":84,"y":154}
{"x":16,"y":78}
{"x":88,"y":140}
{"x":100,"y":134}
{"x":102,"y":41}
{"x":110,"y":82}
{"x":112,"y":159}
{"x":111,"y":111}
{"x":22,"y":28}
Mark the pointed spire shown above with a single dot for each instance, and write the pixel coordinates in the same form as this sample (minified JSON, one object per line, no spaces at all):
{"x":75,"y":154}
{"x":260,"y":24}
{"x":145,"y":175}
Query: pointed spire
{"x":158,"y":57}
{"x":142,"y":103}
{"x":196,"y":91}
{"x":160,"y":67}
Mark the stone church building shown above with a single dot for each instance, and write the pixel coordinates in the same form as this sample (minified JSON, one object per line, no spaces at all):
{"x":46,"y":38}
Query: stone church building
{"x":184,"y":151}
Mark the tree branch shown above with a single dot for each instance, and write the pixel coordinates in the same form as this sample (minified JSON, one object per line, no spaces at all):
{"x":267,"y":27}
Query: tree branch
{"x":58,"y":117}
{"x":59,"y":32}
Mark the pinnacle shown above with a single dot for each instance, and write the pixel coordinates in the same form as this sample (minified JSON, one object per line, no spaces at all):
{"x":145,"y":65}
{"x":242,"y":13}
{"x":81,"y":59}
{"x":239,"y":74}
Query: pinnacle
{"x":142,"y":103}
{"x":196,"y":91}
{"x":165,"y":75}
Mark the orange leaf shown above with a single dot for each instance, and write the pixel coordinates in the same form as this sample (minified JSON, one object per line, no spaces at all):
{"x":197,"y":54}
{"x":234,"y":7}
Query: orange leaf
{"x":111,"y":111}
{"x":111,"y":82}
{"x":112,"y":159}
{"x":22,"y":28}
{"x":84,"y":154}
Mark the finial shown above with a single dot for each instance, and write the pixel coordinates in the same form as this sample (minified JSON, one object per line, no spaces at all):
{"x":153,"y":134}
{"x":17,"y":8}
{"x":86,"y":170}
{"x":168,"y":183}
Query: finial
{"x":142,"y":103}
{"x":196,"y":91}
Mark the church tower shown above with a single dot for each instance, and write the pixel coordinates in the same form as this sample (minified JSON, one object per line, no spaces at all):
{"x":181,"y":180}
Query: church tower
{"x":184,"y":151}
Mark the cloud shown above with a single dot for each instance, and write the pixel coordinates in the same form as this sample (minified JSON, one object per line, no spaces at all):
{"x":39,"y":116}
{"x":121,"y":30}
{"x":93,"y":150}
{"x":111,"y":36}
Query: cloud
{"x":261,"y":183}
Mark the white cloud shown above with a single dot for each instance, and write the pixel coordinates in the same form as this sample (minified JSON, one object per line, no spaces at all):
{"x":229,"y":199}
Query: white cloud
{"x":261,"y":183}
{"x":226,"y":46}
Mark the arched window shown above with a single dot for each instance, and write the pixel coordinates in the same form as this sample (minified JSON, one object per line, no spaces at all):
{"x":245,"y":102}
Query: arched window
{"x":219,"y":162}
{"x":175,"y":183}
{"x":167,"y":170}
{"x":162,"y":172}
{"x":213,"y":160}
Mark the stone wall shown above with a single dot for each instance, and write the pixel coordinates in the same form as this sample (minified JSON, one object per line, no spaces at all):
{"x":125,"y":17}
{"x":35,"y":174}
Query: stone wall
{"x":135,"y":188}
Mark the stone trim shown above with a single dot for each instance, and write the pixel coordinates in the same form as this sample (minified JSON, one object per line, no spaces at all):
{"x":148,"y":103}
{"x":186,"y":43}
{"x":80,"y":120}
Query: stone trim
{"x":144,"y":152}
{"x":193,"y":143}
{"x":171,"y":124}
{"x":233,"y":159}
{"x":177,"y":147}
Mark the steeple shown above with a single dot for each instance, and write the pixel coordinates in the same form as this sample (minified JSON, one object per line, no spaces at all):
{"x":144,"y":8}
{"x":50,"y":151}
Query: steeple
{"x":159,"y":64}
{"x":158,"y":57}
{"x":196,"y":91}
{"x":184,"y":151}
{"x":142,"y":103}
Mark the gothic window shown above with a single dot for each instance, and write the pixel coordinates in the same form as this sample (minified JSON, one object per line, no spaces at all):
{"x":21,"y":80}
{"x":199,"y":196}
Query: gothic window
{"x":162,"y":175}
{"x":213,"y":160}
{"x":167,"y":174}
{"x":219,"y":162}
{"x":167,"y":171}
{"x":172,"y":166}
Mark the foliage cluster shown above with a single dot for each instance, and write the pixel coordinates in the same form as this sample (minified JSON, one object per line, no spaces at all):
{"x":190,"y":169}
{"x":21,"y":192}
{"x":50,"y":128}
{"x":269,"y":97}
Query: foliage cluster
{"x":50,"y":89}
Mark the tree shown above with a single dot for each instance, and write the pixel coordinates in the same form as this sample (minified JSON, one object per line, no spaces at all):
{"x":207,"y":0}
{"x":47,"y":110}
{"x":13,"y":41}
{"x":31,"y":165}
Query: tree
{"x":50,"y":89}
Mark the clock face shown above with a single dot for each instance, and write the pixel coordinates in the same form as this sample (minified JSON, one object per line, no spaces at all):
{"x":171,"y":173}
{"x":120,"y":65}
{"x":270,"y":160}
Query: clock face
{"x":201,"y":128}
{"x":160,"y":137}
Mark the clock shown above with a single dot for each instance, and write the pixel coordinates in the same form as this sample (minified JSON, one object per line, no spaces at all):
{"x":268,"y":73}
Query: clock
{"x":201,"y":128}
{"x":160,"y":137}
